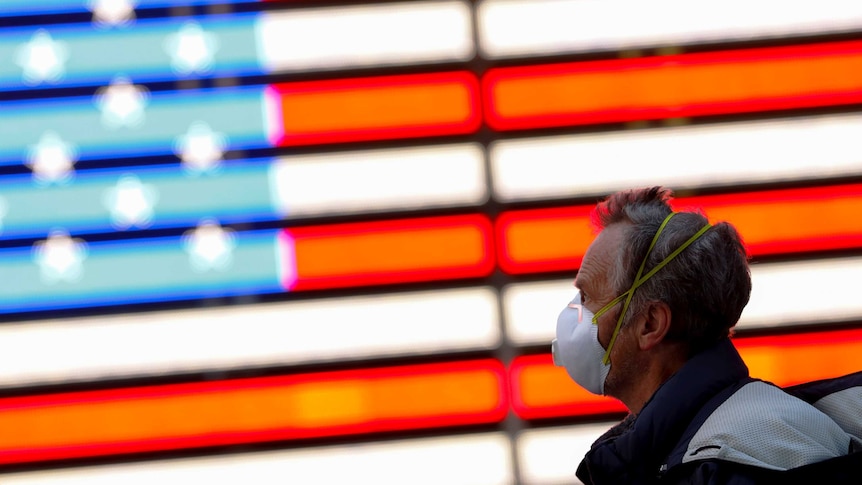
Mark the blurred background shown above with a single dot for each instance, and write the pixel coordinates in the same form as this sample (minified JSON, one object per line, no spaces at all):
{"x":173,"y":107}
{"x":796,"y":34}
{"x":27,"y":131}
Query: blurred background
{"x":327,"y":241}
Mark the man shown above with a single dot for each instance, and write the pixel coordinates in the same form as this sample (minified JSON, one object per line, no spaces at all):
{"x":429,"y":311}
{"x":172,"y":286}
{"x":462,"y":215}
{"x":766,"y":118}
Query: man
{"x":659,"y":294}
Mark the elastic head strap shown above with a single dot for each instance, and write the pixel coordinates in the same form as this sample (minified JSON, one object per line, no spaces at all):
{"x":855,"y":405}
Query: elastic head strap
{"x":641,"y":279}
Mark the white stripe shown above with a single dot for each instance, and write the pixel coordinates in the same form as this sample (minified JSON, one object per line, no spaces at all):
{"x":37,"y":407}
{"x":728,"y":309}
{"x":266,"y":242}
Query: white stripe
{"x":369,"y":35}
{"x":818,"y":291}
{"x":380,"y":180}
{"x":248,"y":336}
{"x":783,"y":294}
{"x":552,"y":455}
{"x":684,"y":157}
{"x":531,"y":309}
{"x":467,"y":460}
{"x":511,"y":28}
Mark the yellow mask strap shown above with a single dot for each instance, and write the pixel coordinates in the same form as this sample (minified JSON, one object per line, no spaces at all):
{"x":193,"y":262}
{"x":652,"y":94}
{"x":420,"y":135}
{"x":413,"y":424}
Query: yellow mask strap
{"x":641,"y":278}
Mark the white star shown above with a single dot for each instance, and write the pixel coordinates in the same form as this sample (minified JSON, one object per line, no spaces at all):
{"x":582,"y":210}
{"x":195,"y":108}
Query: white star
{"x":131,"y":202}
{"x":109,"y":13}
{"x":121,"y":103}
{"x":191,"y":49}
{"x":60,"y":257}
{"x":42,"y":59}
{"x":209,"y":246}
{"x":200,"y":148}
{"x":51,"y":159}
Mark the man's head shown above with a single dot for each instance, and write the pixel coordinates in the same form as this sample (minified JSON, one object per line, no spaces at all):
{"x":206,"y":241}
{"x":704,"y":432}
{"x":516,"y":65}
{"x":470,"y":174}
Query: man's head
{"x":687,"y":306}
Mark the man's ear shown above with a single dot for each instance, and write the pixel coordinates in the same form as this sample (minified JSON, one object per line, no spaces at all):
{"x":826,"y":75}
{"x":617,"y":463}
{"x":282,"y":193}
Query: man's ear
{"x":654,"y":326}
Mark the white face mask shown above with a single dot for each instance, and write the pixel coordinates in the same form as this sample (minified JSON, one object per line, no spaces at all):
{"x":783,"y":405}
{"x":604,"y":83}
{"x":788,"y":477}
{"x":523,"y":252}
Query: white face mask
{"x":577,"y":347}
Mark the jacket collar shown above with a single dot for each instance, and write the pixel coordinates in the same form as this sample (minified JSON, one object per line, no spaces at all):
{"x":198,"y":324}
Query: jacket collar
{"x":637,"y":447}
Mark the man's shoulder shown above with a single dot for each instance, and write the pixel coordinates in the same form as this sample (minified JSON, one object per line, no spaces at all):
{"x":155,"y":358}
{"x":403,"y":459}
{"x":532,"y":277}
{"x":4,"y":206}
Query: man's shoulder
{"x":762,"y":426}
{"x":839,"y":397}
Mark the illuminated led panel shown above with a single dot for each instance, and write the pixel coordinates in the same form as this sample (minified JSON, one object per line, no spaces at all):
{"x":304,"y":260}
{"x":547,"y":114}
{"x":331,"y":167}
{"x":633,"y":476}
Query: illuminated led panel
{"x":551,"y":455}
{"x":827,"y":285}
{"x":233,"y":45}
{"x":139,"y":197}
{"x":248,"y":336}
{"x":164,"y":49}
{"x":251,"y":410}
{"x":65,"y":272}
{"x":38,"y":7}
{"x":531,"y":309}
{"x":722,"y":154}
{"x":126,"y":119}
{"x":240,"y":190}
{"x":530,"y":240}
{"x":393,"y":251}
{"x":368,"y":35}
{"x":540,"y":389}
{"x":734,"y":81}
{"x":376,"y":108}
{"x":769,"y":221}
{"x":538,"y":240}
{"x":568,"y":26}
{"x":394,"y":179}
{"x":457,"y":460}
{"x":792,"y":359}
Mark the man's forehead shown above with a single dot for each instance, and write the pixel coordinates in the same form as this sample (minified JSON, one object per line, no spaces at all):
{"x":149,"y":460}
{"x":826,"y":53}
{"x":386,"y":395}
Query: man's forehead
{"x":599,"y":257}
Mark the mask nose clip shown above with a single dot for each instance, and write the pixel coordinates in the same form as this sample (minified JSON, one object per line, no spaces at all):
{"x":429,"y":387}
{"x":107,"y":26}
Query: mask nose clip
{"x":579,"y":308}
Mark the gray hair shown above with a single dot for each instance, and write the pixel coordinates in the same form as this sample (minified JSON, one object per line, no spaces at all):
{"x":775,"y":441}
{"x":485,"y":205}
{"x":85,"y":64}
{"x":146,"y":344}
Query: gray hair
{"x":706,"y":286}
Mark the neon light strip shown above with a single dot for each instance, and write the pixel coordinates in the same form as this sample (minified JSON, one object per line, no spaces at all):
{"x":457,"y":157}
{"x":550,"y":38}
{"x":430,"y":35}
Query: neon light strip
{"x":686,"y":157}
{"x":531,"y":399}
{"x":462,"y":460}
{"x":217,"y":45}
{"x":235,"y":192}
{"x":394,"y":251}
{"x":569,"y":26}
{"x":541,"y":390}
{"x":565,"y":234}
{"x":673,"y":86}
{"x":776,"y":290}
{"x":237,"y":44}
{"x":531,"y":309}
{"x":425,"y":32}
{"x":39,"y":7}
{"x":769,"y":220}
{"x":555,"y":239}
{"x":252,"y":190}
{"x":404,"y":106}
{"x":552,"y":455}
{"x":392,"y":180}
{"x":251,"y":410}
{"x":325,"y":330}
{"x":71,"y":275}
{"x":236,"y":113}
{"x":213,"y":262}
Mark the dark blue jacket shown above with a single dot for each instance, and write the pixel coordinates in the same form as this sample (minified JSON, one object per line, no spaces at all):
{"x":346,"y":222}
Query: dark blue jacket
{"x":710,"y":423}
